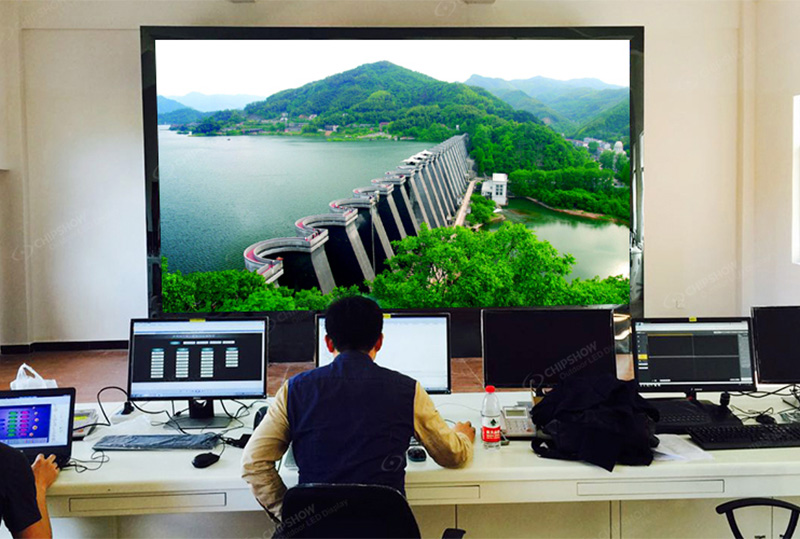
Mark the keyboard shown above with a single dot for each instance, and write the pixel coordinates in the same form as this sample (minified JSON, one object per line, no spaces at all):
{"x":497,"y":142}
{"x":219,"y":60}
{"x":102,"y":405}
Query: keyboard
{"x":746,"y":436}
{"x":676,"y":416}
{"x":156,"y":442}
{"x":679,"y":415}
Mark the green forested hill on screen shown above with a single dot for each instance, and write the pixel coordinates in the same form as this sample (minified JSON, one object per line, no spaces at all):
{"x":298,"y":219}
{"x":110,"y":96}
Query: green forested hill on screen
{"x":578,"y":108}
{"x":423,"y":108}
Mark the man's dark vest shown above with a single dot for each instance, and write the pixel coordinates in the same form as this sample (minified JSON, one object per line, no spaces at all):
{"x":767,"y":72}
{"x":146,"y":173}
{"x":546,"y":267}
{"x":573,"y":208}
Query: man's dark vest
{"x":351,"y":422}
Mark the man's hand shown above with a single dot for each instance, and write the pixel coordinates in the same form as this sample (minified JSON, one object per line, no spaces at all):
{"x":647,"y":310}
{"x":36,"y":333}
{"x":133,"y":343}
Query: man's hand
{"x":45,"y":472}
{"x":467,"y":429}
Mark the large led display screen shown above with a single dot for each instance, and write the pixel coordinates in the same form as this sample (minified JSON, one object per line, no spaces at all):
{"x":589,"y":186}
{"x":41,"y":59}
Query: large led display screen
{"x":426,"y":168}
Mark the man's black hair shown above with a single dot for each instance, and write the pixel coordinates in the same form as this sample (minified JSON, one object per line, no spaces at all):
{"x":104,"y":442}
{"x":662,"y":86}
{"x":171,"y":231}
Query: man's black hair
{"x":354,"y":323}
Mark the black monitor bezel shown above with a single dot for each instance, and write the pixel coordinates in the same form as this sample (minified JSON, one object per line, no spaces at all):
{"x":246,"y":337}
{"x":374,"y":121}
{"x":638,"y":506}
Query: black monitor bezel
{"x":58,"y":450}
{"x":402,"y":314}
{"x":547,"y":384}
{"x":150,"y":34}
{"x":689,"y":388}
{"x":753,"y":311}
{"x":262,"y":395}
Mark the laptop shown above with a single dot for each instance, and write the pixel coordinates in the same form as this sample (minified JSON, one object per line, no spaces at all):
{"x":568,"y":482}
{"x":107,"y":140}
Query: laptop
{"x":38,"y":421}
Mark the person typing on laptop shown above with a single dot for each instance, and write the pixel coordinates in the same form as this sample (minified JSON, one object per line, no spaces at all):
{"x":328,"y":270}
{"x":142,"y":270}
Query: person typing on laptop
{"x":23,"y":488}
{"x":350,"y":421}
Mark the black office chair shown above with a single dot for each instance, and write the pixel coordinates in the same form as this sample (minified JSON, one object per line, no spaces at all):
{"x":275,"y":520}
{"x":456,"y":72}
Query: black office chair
{"x":358,"y":511}
{"x":729,"y":507}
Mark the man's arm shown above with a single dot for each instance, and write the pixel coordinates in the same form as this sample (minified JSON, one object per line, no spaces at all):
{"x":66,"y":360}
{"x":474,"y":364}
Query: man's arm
{"x":267,"y":445}
{"x":45,"y":472}
{"x":450,"y":448}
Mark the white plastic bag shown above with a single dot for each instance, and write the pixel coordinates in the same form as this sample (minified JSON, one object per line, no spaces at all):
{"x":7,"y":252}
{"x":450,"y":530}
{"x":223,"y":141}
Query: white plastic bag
{"x":27,"y":378}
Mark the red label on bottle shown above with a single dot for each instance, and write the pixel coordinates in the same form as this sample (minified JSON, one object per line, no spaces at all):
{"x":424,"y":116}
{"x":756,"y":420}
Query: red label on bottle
{"x":490,"y":434}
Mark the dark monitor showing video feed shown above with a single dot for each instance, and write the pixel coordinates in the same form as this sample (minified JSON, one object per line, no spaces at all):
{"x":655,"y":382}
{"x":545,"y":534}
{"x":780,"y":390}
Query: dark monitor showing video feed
{"x":776,"y":337}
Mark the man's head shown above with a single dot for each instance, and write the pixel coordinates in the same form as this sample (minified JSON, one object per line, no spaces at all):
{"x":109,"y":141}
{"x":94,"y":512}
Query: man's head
{"x":354,"y":324}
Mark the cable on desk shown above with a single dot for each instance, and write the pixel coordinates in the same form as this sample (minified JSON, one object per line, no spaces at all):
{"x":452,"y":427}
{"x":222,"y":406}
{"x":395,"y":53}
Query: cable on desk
{"x":793,"y":392}
{"x":98,"y":458}
{"x":102,"y":409}
{"x":752,"y":414}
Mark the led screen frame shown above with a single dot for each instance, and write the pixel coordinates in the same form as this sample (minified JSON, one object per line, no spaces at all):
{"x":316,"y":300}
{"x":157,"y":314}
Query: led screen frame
{"x":151,"y":35}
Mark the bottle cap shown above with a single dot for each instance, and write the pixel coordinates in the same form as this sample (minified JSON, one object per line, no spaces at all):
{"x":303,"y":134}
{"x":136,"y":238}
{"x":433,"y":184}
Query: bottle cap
{"x":490,"y":389}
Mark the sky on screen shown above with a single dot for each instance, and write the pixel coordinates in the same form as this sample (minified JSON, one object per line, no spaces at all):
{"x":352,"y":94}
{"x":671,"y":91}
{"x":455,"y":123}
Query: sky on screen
{"x":262,"y":68}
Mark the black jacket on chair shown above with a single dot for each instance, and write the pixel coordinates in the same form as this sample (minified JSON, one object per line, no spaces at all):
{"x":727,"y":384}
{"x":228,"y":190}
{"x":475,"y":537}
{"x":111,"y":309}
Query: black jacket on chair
{"x":600,"y":420}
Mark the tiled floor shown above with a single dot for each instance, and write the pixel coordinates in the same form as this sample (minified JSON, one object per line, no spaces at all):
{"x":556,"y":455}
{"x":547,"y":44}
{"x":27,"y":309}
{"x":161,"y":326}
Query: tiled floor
{"x":90,"y":371}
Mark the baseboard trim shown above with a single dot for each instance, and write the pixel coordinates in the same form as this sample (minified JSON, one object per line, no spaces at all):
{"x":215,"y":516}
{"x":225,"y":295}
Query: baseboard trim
{"x":72,"y":346}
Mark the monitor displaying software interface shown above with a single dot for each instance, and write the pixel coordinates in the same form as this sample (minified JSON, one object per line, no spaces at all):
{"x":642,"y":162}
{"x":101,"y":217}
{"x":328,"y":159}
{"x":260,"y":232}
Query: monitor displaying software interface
{"x":679,"y":355}
{"x":179,"y":359}
{"x":28,"y":421}
{"x":415,"y":345}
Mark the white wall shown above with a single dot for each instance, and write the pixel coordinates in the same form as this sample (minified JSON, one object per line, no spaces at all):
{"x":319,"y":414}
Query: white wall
{"x":777,"y":185}
{"x":80,"y":162}
{"x":14,"y":312}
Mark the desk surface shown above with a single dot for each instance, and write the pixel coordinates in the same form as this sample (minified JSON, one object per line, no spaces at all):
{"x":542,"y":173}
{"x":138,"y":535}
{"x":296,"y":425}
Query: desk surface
{"x":512,"y":474}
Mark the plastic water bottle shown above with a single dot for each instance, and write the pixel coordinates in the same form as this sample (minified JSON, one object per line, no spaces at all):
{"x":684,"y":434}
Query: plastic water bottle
{"x":490,"y":420}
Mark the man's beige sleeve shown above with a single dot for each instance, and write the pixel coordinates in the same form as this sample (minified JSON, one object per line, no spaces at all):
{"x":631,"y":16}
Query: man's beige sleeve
{"x":267,"y":445}
{"x":447,"y":447}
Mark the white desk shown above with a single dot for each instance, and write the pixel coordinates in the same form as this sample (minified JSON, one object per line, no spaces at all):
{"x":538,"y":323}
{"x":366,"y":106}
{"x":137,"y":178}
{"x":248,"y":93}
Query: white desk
{"x":614,"y":504}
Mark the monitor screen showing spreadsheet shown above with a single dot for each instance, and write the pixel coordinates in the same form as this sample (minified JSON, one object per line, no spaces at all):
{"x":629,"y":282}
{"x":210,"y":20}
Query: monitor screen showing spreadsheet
{"x":701,"y":354}
{"x":415,"y":345}
{"x":179,"y":359}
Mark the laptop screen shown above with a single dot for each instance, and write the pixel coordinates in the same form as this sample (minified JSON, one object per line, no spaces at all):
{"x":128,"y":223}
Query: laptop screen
{"x":36,"y":419}
{"x":414,"y":345}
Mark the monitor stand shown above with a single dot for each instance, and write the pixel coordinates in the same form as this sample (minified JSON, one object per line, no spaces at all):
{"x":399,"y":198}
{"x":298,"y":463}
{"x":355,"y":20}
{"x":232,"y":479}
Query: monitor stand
{"x":201,"y":416}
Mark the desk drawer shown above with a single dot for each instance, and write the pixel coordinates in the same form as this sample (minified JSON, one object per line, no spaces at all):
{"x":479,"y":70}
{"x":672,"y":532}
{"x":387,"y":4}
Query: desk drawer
{"x":633,"y":488}
{"x":468,"y":492}
{"x":146,"y":502}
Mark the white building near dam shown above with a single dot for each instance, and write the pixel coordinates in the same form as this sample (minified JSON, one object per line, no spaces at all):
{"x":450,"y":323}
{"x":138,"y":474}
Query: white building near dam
{"x":496,"y":189}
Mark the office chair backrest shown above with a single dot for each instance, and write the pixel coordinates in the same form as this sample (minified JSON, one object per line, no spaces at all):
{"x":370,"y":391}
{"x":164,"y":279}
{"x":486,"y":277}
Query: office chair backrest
{"x":729,"y":507}
{"x":338,"y":511}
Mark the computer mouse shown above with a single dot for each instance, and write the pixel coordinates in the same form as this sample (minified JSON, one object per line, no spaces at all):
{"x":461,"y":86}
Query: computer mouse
{"x":765,"y":419}
{"x":204,"y":460}
{"x":417,"y":454}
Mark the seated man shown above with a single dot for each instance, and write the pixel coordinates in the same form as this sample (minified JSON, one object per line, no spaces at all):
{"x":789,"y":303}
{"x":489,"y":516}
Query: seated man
{"x":23,"y":507}
{"x":350,"y":421}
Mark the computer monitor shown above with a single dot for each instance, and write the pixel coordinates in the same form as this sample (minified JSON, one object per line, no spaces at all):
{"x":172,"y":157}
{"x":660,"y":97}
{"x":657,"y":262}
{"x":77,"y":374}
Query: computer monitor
{"x":776,"y":338}
{"x":38,"y":421}
{"x":703,"y":354}
{"x":200,"y":361}
{"x":538,"y":348}
{"x":417,"y":345}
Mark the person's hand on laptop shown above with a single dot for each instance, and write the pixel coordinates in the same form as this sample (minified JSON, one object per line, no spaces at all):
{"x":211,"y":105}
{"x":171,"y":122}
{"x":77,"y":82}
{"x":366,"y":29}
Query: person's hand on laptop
{"x":45,"y":472}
